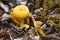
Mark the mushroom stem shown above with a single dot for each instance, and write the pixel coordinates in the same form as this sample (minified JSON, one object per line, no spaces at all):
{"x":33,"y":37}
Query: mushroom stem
{"x":21,"y":22}
{"x":28,"y":20}
{"x":40,"y":31}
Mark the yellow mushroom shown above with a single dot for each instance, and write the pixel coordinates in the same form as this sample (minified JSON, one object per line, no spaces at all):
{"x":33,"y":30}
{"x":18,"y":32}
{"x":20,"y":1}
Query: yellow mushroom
{"x":20,"y":13}
{"x":37,"y":24}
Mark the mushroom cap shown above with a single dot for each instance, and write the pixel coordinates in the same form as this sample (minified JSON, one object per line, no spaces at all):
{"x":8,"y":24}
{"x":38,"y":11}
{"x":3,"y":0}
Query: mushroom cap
{"x":20,"y":11}
{"x":37,"y":23}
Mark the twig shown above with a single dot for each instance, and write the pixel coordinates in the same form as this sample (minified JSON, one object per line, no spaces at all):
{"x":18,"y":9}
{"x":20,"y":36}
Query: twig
{"x":11,"y":37}
{"x":17,"y":28}
{"x":33,"y":22}
{"x":52,"y":36}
